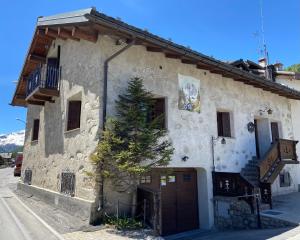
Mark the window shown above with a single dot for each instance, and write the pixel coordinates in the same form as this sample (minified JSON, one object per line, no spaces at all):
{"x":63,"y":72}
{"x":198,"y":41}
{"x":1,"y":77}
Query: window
{"x":159,"y":111}
{"x":285,"y":179}
{"x":172,"y":179}
{"x":74,"y":112}
{"x":187,"y":177}
{"x":223,"y":121}
{"x":146,"y":179}
{"x":35,"y":130}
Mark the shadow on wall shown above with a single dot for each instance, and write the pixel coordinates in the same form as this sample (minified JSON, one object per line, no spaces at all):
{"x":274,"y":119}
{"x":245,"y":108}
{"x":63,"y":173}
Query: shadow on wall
{"x":54,"y":139}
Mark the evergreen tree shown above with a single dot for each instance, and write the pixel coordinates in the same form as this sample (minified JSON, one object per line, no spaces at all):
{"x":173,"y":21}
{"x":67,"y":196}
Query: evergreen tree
{"x":293,"y":68}
{"x":132,"y":142}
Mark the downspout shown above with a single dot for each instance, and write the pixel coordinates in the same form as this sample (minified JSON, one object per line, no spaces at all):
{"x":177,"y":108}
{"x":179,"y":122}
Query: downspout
{"x":106,"y":64}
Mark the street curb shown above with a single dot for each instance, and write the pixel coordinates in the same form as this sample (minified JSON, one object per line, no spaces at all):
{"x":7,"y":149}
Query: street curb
{"x":39,"y":219}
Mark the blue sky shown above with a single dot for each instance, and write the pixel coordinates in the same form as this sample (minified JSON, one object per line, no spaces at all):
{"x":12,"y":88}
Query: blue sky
{"x":223,"y":29}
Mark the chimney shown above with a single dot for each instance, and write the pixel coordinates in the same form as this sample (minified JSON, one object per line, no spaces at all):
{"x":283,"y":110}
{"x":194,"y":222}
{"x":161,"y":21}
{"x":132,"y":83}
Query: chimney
{"x":262,"y":62}
{"x":278,"y":66}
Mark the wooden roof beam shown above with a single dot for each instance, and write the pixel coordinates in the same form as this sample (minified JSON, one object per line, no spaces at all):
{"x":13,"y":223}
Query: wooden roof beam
{"x":78,"y":33}
{"x":37,"y":58}
{"x":42,"y":34}
{"x":53,"y":33}
{"x":204,"y":66}
{"x":154,"y":49}
{"x":188,"y":61}
{"x":171,"y":55}
{"x":61,"y":32}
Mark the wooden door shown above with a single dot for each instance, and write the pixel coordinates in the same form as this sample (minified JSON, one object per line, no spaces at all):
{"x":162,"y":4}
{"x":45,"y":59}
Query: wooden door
{"x":179,"y":202}
{"x":256,"y":139}
{"x":274,"y":131}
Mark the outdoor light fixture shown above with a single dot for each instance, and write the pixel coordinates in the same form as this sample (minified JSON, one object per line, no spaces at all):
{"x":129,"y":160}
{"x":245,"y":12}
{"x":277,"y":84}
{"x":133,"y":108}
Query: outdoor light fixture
{"x":223,"y":141}
{"x":185,"y":158}
{"x":267,"y":110}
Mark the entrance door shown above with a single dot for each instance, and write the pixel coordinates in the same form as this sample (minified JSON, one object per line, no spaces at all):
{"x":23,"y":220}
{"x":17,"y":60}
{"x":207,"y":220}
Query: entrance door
{"x":179,"y":200}
{"x":274,"y":131}
{"x":256,"y":139}
{"x":52,"y":73}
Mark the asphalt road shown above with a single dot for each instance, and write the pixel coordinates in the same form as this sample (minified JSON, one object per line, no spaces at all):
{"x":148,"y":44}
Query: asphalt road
{"x":16,"y":221}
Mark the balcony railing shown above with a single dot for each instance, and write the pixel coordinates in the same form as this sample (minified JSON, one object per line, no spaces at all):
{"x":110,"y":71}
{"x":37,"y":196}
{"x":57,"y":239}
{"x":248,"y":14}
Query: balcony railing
{"x":44,"y":77}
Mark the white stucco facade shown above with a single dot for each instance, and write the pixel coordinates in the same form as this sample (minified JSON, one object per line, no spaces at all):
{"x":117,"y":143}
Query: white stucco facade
{"x":190,"y":132}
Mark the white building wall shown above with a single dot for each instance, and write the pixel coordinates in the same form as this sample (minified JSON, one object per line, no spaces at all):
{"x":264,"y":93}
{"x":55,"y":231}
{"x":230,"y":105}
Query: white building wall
{"x":190,"y":132}
{"x":294,"y":170}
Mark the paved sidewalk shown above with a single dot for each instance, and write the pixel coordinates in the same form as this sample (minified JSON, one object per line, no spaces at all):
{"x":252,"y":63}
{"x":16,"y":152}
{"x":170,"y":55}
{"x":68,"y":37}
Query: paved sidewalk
{"x":111,"y":234}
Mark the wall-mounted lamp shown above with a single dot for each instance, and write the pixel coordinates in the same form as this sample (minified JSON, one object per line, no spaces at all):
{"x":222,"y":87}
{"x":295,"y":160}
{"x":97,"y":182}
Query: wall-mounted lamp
{"x":267,"y":110}
{"x":185,"y":158}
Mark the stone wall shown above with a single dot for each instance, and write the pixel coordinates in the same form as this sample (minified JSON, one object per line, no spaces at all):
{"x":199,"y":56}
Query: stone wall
{"x":231,"y":213}
{"x":57,"y":149}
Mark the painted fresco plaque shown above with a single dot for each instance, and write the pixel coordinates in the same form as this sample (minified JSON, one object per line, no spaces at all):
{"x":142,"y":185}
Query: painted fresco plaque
{"x":189,"y":93}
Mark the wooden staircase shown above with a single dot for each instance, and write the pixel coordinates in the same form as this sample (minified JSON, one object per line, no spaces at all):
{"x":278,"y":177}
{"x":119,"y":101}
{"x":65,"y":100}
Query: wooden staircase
{"x":257,"y":176}
{"x":261,"y":173}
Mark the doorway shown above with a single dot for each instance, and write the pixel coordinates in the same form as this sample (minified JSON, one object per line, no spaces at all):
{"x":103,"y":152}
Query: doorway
{"x":274,"y":131}
{"x":256,"y":139}
{"x":179,"y":198}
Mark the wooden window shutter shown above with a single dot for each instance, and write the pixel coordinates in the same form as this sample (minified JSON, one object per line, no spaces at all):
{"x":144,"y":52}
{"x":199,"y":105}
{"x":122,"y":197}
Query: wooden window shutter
{"x":226,"y":124}
{"x":220,"y":124}
{"x":36,"y":128}
{"x":223,"y":122}
{"x":74,"y":113}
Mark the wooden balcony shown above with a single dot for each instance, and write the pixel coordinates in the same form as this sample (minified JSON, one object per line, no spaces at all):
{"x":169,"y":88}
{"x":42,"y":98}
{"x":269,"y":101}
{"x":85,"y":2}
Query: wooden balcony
{"x":43,"y":85}
{"x":282,"y":152}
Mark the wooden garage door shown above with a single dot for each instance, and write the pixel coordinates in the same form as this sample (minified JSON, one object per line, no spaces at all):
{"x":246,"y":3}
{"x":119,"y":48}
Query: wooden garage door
{"x":179,"y":201}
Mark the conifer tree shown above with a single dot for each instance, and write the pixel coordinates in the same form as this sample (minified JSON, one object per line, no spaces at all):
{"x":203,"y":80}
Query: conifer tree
{"x":133,"y":142}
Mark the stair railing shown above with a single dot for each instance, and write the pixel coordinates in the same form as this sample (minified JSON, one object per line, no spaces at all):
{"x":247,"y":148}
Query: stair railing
{"x":281,"y":152}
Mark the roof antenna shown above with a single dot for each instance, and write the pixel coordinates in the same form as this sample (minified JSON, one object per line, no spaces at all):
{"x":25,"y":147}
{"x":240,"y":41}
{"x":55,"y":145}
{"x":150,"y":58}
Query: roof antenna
{"x":264,"y":50}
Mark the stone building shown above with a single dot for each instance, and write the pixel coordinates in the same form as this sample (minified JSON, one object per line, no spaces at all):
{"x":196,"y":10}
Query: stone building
{"x":221,"y":118}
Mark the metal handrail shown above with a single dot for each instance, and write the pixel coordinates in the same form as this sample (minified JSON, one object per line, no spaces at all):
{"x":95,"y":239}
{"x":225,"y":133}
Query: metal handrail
{"x":44,"y":76}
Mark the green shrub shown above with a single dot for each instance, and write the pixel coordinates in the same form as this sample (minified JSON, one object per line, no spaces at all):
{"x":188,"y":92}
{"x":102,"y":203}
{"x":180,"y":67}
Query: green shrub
{"x":124,"y":223}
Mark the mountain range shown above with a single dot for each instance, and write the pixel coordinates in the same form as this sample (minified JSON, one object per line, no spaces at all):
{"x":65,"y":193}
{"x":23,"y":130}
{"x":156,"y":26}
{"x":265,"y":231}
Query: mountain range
{"x":12,"y":142}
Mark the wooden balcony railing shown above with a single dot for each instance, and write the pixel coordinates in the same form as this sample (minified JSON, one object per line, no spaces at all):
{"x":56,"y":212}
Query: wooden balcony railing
{"x":282,"y":152}
{"x":43,"y":84}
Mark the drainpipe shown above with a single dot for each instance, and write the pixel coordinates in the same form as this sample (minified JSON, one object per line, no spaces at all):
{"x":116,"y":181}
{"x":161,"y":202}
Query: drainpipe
{"x":106,"y":62}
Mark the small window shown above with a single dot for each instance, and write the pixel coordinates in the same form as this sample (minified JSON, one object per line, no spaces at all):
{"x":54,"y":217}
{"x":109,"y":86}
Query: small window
{"x":285,"y":179}
{"x":74,"y":113}
{"x":163,"y":180}
{"x":146,"y":179}
{"x":159,"y":110}
{"x":35,"y":130}
{"x":223,"y":121}
{"x":172,"y":179}
{"x":187,"y":177}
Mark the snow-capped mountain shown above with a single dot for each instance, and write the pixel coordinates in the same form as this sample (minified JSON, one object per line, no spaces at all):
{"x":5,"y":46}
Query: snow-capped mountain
{"x":12,"y":141}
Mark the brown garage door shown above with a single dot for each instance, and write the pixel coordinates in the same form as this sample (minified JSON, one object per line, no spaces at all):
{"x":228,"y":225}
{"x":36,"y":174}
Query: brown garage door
{"x":179,"y":201}
{"x":179,"y":198}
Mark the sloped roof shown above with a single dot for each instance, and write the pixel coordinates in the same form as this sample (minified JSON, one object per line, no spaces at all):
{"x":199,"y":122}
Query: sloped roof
{"x":88,"y":23}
